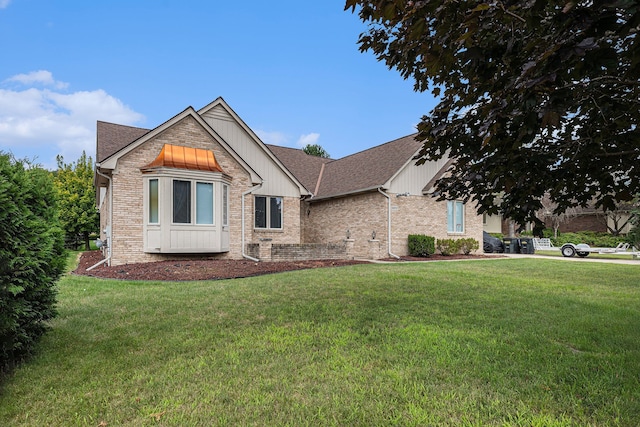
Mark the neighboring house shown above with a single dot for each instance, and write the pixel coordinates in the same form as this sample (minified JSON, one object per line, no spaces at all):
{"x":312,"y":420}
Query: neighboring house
{"x":203,"y":184}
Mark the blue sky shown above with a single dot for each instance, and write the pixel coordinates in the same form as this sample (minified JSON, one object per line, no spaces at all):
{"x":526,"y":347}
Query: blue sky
{"x":290,"y":69}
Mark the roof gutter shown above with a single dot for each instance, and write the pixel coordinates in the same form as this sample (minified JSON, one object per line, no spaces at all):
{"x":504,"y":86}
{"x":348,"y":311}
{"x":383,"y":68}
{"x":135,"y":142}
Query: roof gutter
{"x":107,"y":231}
{"x":388,"y":223}
{"x":249,"y":191}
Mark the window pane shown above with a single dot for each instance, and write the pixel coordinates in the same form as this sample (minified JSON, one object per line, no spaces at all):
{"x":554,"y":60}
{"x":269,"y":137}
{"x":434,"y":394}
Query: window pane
{"x":153,"y":201}
{"x":260,"y":214}
{"x":275,"y":212}
{"x":450,"y":221}
{"x":225,"y":204}
{"x":459,"y":217}
{"x":182,"y":202}
{"x":204,"y":203}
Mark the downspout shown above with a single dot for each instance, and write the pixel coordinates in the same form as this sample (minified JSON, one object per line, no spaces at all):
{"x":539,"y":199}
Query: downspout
{"x":251,"y":190}
{"x":388,"y":222}
{"x":109,"y":225}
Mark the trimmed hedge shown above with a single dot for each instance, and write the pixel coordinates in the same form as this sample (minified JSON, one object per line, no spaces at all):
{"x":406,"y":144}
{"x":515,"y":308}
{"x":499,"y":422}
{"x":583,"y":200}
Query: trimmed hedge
{"x":591,"y":238}
{"x":453,"y":246}
{"x":447,"y":246}
{"x":421,"y":245}
{"x":468,"y":245}
{"x":32,"y":257}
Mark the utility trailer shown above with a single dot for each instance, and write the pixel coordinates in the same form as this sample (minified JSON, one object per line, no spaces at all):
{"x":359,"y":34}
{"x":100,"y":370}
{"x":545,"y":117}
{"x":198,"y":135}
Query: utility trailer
{"x":583,"y":250}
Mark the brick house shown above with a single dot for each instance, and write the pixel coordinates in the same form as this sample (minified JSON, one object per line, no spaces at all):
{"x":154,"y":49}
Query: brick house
{"x":203,"y":184}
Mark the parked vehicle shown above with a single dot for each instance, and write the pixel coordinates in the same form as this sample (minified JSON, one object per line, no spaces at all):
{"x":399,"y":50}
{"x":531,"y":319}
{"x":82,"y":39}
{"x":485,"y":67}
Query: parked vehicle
{"x":582,"y":250}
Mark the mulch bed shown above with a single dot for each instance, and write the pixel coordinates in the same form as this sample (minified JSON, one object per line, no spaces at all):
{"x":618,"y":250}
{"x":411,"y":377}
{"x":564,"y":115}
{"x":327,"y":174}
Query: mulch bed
{"x":210,"y":269}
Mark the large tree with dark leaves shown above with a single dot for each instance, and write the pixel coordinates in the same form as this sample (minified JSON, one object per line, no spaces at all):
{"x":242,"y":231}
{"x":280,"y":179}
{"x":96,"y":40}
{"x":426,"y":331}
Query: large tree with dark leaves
{"x":536,"y":97}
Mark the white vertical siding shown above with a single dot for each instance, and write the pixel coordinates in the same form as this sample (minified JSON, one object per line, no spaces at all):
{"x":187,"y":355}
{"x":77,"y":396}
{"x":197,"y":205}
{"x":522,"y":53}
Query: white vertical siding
{"x":413,"y":178}
{"x":276,"y":182}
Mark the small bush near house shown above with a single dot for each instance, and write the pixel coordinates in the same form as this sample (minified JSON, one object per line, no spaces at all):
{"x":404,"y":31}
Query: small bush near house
{"x":32,"y":257}
{"x":468,"y":245}
{"x":447,"y":246}
{"x":421,"y":245}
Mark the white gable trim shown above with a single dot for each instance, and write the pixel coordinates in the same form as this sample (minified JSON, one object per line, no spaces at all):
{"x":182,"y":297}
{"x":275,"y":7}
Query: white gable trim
{"x":222,"y":103}
{"x":111,"y":161}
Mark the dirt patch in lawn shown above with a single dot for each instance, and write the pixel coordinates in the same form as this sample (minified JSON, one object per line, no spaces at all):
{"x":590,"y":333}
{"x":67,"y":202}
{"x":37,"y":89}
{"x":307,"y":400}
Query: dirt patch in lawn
{"x":210,"y":269}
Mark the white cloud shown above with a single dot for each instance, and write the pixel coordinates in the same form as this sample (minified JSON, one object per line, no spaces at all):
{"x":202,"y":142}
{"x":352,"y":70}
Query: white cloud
{"x":45,"y":122}
{"x":4,"y":3}
{"x":310,"y":138}
{"x":42,"y":77}
{"x":274,"y":138}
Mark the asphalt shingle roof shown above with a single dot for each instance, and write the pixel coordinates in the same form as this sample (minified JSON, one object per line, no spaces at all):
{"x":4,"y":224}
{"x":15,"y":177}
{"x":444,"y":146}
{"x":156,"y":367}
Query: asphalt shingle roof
{"x":111,"y":138}
{"x":304,"y":167}
{"x":367,"y":169}
{"x":358,"y":172}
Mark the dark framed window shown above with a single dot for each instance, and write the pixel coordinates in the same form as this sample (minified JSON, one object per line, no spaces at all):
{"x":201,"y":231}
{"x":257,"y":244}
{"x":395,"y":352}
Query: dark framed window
{"x":181,"y":202}
{"x":268,"y":212}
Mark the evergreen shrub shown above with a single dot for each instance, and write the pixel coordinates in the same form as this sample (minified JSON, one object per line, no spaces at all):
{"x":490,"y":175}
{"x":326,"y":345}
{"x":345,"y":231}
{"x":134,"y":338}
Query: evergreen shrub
{"x":421,"y":245}
{"x":32,"y":257}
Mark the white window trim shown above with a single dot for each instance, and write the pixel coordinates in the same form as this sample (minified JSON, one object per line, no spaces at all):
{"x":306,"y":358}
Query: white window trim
{"x":455,"y":203}
{"x":268,"y":218}
{"x":225,"y":205}
{"x":171,"y":205}
{"x":213,"y":203}
{"x":194,"y":203}
{"x":147,"y":201}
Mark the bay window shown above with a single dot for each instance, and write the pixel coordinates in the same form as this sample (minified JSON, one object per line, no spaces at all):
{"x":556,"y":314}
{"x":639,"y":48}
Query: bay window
{"x":186,"y":212}
{"x":185,"y":202}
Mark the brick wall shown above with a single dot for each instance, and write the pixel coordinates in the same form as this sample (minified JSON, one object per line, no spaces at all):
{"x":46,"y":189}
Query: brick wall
{"x":328,"y":221}
{"x":308,"y":251}
{"x":425,"y":215}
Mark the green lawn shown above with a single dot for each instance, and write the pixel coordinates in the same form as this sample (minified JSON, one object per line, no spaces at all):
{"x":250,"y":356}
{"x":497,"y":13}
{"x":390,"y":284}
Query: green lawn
{"x":508,"y":342}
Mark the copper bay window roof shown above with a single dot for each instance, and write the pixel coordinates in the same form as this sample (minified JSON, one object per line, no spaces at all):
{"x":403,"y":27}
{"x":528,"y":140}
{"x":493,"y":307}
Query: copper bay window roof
{"x":176,"y":156}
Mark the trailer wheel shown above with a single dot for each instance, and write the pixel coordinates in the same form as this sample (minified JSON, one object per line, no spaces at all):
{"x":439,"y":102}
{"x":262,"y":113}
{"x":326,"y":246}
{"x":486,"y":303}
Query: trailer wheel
{"x":582,"y":254}
{"x":568,"y":251}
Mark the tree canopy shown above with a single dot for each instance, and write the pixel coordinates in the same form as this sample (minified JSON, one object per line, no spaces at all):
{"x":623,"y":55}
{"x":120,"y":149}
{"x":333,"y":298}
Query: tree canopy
{"x":535,"y":97}
{"x":76,"y":197}
{"x":316,"y":150}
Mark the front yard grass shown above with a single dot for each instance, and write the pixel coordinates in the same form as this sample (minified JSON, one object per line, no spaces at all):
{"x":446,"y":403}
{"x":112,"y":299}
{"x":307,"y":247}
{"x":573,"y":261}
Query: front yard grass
{"x":522,"y":342}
